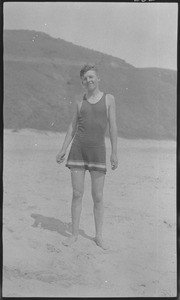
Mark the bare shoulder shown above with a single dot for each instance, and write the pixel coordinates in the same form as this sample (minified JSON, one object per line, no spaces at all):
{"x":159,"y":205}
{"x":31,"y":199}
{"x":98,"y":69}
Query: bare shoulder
{"x":79,"y":104}
{"x":110,"y":99}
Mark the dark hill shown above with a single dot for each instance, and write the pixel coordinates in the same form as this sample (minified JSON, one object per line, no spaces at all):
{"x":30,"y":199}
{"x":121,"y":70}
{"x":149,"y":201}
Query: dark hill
{"x":41,"y":83}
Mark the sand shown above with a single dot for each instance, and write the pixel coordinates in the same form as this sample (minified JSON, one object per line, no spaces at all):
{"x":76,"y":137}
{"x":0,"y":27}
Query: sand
{"x":139,"y":222}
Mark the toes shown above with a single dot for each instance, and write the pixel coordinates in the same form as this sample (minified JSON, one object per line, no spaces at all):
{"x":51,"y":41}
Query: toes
{"x":69,"y":241}
{"x":101,"y":244}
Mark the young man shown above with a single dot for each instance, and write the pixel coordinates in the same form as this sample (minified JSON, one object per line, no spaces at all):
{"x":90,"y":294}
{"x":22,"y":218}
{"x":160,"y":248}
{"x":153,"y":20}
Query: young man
{"x":88,"y":152}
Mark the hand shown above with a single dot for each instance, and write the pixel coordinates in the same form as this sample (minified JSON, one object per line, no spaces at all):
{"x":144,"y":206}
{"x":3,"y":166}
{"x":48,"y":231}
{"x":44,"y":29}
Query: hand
{"x":60,"y":157}
{"x":114,"y":161}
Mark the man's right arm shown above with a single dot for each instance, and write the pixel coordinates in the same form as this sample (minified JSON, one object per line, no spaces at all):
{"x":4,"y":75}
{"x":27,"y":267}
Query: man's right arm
{"x":69,"y":135}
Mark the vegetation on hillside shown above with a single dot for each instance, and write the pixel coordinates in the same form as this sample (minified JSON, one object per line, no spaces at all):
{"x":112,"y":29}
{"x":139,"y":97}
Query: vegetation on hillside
{"x":41,"y":84}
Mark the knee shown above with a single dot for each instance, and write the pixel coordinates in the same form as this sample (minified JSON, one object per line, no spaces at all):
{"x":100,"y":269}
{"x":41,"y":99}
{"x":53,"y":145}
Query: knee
{"x":77,"y":194}
{"x":97,"y":197}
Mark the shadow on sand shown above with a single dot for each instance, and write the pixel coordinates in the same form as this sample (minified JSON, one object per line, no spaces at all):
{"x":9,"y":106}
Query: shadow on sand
{"x":53,"y":224}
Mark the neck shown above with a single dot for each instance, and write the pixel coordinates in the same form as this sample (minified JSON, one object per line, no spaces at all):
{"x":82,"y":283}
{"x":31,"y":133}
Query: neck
{"x":93,"y":93}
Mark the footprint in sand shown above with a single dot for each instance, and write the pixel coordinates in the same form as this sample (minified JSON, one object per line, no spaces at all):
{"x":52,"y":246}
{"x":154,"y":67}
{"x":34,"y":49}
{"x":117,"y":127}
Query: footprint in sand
{"x":9,"y":229}
{"x":32,"y":207}
{"x":168,"y":224}
{"x":51,"y":248}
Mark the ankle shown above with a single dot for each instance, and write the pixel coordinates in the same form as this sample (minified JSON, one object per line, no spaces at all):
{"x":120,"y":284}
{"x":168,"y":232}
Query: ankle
{"x":75,"y":236}
{"x":99,"y":236}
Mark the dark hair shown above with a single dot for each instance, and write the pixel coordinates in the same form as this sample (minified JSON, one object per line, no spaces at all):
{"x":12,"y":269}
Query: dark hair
{"x":86,"y":68}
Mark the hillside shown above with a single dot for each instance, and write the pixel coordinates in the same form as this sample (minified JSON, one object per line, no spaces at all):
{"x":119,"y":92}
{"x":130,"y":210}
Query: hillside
{"x":41,"y":83}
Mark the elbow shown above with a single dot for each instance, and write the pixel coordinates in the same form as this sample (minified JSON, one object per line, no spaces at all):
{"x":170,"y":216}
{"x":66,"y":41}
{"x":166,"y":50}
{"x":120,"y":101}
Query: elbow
{"x":73,"y":131}
{"x":113,"y":130}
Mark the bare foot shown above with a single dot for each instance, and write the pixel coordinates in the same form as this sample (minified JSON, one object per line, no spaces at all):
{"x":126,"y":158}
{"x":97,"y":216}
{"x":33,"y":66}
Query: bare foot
{"x":99,"y":242}
{"x":70,"y":240}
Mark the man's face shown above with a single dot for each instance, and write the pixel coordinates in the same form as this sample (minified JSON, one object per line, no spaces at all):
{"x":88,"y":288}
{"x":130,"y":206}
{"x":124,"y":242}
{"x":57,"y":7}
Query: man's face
{"x":90,"y":80}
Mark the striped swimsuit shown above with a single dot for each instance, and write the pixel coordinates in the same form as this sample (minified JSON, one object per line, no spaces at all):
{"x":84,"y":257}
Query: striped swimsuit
{"x":88,"y":147}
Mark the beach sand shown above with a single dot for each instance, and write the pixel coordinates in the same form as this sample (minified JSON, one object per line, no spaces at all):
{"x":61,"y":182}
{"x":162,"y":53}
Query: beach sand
{"x":139,"y":222}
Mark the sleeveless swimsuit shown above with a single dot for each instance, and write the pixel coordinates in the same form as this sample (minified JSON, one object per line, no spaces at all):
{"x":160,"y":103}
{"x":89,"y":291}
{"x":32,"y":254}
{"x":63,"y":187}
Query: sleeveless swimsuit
{"x":88,"y":149}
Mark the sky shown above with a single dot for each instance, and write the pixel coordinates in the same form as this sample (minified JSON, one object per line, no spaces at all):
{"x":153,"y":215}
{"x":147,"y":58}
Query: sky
{"x":143,"y":34}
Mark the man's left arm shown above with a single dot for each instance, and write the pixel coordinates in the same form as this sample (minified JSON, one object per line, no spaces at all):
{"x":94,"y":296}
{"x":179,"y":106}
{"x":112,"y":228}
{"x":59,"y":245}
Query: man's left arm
{"x":112,"y":131}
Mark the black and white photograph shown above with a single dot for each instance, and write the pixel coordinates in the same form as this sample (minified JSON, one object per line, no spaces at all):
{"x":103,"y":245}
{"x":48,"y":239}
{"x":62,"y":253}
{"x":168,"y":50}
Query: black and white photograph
{"x":89,"y":149}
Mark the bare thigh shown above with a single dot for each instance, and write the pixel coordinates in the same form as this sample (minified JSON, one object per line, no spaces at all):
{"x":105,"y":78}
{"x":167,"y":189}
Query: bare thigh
{"x":77,"y":180}
{"x":97,"y":182}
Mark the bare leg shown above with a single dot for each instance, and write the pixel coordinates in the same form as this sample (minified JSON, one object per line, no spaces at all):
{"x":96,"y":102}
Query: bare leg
{"x":97,"y":181}
{"x":77,"y":179}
